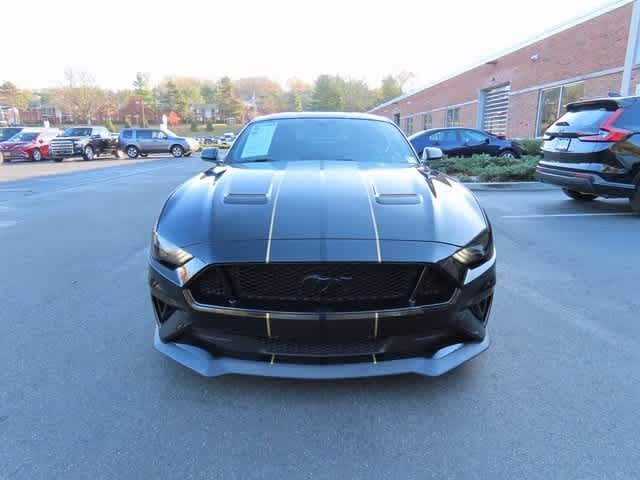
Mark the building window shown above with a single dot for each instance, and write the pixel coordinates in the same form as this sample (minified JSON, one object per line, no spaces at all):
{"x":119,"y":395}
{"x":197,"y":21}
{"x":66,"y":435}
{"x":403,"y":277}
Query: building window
{"x":552,"y":103}
{"x":426,"y":121}
{"x":453,"y":117}
{"x":409,"y":128}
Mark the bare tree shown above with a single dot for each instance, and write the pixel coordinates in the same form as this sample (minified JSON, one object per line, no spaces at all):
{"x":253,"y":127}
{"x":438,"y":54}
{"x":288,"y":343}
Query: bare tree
{"x":81,"y":97}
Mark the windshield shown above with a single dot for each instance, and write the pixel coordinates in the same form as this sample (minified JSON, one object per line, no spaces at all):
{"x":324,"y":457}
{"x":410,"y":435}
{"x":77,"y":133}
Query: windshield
{"x":7,"y":133}
{"x":25,"y":137}
{"x":77,"y":132}
{"x":322,"y":139}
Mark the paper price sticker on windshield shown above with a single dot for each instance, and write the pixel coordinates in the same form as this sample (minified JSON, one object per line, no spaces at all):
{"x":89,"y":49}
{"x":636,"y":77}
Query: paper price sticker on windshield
{"x":259,"y":140}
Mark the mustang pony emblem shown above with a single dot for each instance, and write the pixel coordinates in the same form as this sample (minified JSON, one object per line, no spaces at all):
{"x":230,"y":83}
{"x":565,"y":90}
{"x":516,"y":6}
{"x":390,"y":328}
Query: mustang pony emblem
{"x":318,"y":284}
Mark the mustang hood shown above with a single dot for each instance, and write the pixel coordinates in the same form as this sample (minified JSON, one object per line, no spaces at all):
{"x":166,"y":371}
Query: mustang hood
{"x":338,"y":201}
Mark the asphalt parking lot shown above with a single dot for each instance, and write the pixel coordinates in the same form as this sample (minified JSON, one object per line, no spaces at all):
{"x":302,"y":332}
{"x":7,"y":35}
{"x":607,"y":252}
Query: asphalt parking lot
{"x":83,"y":394}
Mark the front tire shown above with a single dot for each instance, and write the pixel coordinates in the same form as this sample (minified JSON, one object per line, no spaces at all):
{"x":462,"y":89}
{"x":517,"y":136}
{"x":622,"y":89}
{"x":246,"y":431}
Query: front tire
{"x":132,"y":152}
{"x":177,"y":151}
{"x":507,"y":154}
{"x":581,"y":197}
{"x":36,"y":155}
{"x":89,"y":154}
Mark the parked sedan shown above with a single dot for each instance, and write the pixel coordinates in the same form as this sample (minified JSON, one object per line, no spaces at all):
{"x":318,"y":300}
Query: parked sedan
{"x":464,"y":142}
{"x":143,"y":141}
{"x":321,"y":247}
{"x":594,"y":150}
{"x":29,"y":144}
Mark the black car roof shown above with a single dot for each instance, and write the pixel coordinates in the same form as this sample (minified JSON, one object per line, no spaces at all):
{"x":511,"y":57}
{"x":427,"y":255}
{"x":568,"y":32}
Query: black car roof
{"x":349,"y":115}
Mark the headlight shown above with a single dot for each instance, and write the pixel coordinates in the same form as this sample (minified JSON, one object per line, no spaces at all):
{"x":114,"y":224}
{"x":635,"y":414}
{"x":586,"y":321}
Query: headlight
{"x":478,"y":251}
{"x":167,"y":253}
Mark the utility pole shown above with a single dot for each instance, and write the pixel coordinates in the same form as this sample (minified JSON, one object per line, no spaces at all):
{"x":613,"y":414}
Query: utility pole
{"x":632,"y":47}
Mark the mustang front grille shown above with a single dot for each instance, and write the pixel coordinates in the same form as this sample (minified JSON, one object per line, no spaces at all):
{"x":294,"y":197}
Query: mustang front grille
{"x":322,"y":287}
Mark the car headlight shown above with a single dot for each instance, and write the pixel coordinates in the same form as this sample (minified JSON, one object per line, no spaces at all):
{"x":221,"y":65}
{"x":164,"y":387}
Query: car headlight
{"x":478,"y":251}
{"x":167,"y":253}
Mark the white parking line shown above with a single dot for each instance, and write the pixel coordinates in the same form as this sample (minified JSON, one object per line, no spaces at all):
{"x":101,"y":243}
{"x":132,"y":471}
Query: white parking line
{"x":551,"y":215}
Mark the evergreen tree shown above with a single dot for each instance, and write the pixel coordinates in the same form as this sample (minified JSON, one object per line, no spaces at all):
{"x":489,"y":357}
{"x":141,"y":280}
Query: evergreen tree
{"x":328,"y":94}
{"x":142,"y":88}
{"x":228,"y":104}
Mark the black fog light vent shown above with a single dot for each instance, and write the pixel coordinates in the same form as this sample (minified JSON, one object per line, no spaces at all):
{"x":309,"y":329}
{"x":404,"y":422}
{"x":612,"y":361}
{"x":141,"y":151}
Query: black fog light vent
{"x":481,"y":309}
{"x":163,"y":310}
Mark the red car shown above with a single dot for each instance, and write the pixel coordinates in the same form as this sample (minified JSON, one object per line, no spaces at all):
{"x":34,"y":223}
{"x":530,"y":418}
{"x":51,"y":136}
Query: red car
{"x":29,"y":144}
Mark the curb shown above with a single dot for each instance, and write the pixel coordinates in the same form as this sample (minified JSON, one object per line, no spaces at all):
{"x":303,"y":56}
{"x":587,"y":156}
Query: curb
{"x":510,"y":186}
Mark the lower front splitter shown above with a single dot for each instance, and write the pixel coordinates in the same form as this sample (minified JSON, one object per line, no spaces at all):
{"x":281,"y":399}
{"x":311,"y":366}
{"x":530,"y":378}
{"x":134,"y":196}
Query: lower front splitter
{"x":209,"y":365}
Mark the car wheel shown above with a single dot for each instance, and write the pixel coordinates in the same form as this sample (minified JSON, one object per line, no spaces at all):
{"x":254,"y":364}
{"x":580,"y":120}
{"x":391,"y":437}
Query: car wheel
{"x":507,"y":154}
{"x":132,"y":152}
{"x":582,"y":197}
{"x":89,"y":154}
{"x":635,"y":201}
{"x":188,"y":154}
{"x":36,"y":155}
{"x":144,"y":155}
{"x":118,"y":154}
{"x":177,"y":151}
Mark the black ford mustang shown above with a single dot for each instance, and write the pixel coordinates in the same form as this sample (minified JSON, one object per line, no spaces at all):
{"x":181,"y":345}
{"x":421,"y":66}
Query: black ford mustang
{"x":321,"y":247}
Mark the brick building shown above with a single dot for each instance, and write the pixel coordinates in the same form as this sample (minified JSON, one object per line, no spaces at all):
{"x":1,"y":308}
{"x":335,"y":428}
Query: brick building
{"x":521,"y":92}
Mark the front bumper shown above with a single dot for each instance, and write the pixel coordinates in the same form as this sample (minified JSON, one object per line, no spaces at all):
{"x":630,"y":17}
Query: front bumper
{"x":583,"y":182}
{"x":428,"y":340}
{"x":9,"y":155}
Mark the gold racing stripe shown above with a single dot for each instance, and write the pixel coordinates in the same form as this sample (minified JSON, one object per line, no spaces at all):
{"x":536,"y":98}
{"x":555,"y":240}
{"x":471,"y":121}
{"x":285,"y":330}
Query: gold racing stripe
{"x":368,"y":186}
{"x":267,"y":320}
{"x":273,"y":219}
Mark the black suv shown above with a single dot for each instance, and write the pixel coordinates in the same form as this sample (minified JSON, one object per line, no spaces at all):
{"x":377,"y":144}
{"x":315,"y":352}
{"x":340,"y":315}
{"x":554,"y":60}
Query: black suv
{"x":594,"y":150}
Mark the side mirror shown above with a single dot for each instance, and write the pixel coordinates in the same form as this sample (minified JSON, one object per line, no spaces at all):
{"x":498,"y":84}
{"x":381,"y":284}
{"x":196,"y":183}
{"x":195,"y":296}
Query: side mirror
{"x":431,"y":153}
{"x":210,"y":155}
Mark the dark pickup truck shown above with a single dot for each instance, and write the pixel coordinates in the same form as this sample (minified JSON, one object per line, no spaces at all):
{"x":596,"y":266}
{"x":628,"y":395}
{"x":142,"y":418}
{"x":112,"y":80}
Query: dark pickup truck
{"x":87,"y":142}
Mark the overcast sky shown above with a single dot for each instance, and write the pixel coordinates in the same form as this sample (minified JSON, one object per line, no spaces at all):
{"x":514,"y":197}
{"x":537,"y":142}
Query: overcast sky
{"x":114,"y":39}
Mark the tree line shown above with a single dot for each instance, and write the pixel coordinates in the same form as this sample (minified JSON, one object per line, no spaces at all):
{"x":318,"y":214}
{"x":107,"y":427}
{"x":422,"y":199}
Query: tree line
{"x":80,"y":95}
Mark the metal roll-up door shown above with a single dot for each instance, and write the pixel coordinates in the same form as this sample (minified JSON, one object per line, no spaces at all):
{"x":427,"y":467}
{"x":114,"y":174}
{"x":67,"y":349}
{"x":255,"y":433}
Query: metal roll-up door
{"x":496,"y":109}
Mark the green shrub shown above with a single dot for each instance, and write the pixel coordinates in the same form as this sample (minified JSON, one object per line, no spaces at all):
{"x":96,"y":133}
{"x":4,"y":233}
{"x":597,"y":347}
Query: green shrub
{"x":209,"y":127}
{"x":485,"y":168}
{"x":531,"y":146}
{"x":109,"y":125}
{"x":194,"y":127}
{"x":145,"y":123}
{"x":127,"y":123}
